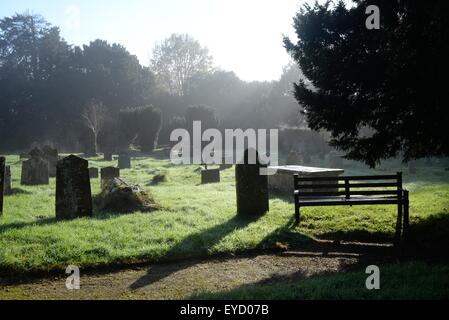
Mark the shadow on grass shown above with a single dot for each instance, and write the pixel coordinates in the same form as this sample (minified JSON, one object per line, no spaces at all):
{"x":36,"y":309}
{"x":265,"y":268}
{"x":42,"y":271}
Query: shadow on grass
{"x":15,"y":191}
{"x":196,"y":245}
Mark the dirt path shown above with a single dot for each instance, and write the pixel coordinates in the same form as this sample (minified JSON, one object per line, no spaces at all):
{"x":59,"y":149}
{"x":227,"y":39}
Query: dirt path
{"x":180,"y":280}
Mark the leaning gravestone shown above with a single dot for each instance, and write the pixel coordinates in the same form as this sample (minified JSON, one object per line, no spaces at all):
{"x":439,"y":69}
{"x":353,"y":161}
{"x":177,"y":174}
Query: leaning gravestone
{"x":124,"y":161}
{"x":93,"y":173}
{"x":73,"y":194}
{"x":7,"y":188}
{"x":210,"y":176}
{"x":2,"y":181}
{"x":34,"y":172}
{"x":251,"y":187}
{"x":52,"y":157}
{"x":109,"y":173}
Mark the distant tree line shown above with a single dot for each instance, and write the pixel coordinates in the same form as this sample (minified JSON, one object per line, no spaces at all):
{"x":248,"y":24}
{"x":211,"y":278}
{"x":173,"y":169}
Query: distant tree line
{"x":98,"y":97}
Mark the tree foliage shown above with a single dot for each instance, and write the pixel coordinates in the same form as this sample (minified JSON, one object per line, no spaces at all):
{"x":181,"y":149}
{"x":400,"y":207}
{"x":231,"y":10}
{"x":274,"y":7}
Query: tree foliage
{"x":378,"y":92}
{"x":177,"y":59}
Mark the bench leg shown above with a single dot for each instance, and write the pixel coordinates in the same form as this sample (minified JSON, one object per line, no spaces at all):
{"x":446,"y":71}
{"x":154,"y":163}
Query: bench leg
{"x":399,"y":224}
{"x":406,"y":215}
{"x":297,"y":213}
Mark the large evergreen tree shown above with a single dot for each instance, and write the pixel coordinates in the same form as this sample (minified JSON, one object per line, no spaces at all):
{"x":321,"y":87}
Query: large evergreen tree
{"x":378,"y":92}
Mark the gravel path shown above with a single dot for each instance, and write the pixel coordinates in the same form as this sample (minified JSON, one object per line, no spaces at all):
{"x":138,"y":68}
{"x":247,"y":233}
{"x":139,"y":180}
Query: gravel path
{"x":178,"y":280}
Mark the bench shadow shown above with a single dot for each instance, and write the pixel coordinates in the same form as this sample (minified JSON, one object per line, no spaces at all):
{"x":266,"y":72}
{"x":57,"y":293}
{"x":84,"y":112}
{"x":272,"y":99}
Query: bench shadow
{"x":199,"y":243}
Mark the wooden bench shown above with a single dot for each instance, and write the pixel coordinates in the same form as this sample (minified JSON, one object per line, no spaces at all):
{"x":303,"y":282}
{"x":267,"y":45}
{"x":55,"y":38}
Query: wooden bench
{"x":354,"y":190}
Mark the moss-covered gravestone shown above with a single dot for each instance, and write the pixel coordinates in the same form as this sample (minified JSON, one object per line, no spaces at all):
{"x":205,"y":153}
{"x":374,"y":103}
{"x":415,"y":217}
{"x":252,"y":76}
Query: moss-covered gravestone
{"x":7,"y":188}
{"x":210,"y":176}
{"x":109,"y":173}
{"x":34,"y":172}
{"x":73,"y":194}
{"x":251,"y":187}
{"x":2,"y":181}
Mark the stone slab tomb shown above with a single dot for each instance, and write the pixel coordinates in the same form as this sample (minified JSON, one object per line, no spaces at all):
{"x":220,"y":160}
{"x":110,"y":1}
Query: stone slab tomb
{"x":282,"y":180}
{"x":73,"y":193}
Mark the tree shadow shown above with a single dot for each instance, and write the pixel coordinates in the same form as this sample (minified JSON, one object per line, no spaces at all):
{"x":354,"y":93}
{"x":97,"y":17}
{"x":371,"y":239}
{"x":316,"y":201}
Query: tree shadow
{"x":15,"y":191}
{"x":197,"y":244}
{"x":21,"y":225}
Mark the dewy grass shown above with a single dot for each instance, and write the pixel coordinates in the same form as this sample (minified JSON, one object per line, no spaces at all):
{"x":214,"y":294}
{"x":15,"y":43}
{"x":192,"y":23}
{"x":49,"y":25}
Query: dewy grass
{"x":195,"y":220}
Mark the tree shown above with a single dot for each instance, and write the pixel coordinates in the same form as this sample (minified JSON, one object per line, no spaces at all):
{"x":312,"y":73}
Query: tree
{"x":386,"y":82}
{"x":141,"y":125}
{"x":94,"y":116}
{"x":177,"y":59}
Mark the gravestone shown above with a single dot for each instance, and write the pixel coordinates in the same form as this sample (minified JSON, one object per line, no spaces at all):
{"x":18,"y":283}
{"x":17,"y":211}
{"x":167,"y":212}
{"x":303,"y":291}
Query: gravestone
{"x":210,"y":176}
{"x":294,"y":158}
{"x":109,"y":173}
{"x":52,"y":157}
{"x":7,"y":188}
{"x":251,"y":188}
{"x":2,"y":181}
{"x":93,"y":173}
{"x":34,"y":172}
{"x":412,"y":167}
{"x":107,"y":156}
{"x":335,"y":160}
{"x":73,"y":194}
{"x":124,"y":161}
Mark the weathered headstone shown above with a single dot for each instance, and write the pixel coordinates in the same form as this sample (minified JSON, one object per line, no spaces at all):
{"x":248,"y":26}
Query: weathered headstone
{"x":52,"y":157}
{"x":412,"y":167}
{"x":7,"y":188}
{"x":34,"y":172}
{"x":73,"y":193}
{"x":93,"y":173}
{"x":251,"y":187}
{"x":124,"y":161}
{"x":107,"y":156}
{"x":109,"y":173}
{"x":294,"y":158}
{"x":210,"y":176}
{"x":2,"y":181}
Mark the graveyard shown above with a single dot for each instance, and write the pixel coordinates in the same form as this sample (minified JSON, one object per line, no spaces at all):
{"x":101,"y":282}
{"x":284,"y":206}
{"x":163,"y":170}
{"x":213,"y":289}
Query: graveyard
{"x":198,"y":220}
{"x":224,"y":150}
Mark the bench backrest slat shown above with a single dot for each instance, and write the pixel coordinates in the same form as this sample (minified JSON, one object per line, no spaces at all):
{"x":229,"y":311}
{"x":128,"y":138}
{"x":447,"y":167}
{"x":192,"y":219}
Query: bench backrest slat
{"x":352,"y":185}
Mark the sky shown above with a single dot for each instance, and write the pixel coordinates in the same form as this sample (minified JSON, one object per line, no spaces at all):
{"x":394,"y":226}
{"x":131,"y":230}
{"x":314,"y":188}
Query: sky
{"x":244,"y":36}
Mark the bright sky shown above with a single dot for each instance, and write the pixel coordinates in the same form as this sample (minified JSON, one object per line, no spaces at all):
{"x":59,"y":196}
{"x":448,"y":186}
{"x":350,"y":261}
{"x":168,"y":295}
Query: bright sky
{"x":244,"y":36}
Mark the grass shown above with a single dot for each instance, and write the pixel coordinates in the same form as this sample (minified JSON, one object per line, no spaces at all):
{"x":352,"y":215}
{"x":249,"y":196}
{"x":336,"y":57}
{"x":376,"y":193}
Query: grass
{"x":196,"y":220}
{"x":410,"y":281}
